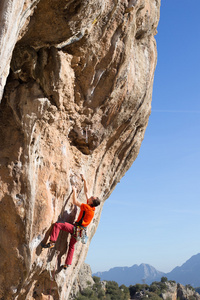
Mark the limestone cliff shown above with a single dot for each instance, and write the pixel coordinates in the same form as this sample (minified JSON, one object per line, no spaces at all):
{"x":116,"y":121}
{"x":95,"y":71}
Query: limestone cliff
{"x":76,"y":88}
{"x":178,"y":291}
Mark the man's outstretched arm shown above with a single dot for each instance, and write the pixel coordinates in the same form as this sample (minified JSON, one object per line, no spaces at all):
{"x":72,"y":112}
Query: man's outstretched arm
{"x":85,"y":187}
{"x":75,"y":201}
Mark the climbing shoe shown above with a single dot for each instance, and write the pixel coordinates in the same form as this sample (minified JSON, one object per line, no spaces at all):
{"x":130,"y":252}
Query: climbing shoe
{"x":65,"y":267}
{"x":49,"y":245}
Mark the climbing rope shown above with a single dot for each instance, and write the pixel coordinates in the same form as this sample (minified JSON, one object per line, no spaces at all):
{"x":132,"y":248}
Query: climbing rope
{"x":52,"y":275}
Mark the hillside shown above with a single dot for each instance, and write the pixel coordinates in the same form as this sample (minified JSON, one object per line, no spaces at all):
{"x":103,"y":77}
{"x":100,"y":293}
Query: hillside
{"x":164,"y":289}
{"x":188,"y":273}
{"x":131,"y":275}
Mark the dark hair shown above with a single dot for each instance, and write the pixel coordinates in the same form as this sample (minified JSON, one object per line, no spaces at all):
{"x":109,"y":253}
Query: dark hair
{"x":96,"y":202}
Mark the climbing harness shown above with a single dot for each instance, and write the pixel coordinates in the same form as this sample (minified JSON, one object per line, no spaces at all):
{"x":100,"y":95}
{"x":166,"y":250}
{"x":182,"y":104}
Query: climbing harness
{"x":80,"y":234}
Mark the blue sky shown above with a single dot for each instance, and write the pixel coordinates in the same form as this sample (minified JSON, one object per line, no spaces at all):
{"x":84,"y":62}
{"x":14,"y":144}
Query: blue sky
{"x":157,"y":202}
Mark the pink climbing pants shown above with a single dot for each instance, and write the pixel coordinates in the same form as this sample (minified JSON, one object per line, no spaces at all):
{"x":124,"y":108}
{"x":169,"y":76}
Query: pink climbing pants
{"x":69,"y":228}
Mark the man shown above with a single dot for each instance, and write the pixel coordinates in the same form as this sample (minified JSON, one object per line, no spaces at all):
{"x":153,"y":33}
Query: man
{"x":85,"y":217}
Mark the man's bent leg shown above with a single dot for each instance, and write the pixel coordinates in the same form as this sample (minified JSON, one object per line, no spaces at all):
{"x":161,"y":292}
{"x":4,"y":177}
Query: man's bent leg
{"x":70,"y":251}
{"x":60,"y":226}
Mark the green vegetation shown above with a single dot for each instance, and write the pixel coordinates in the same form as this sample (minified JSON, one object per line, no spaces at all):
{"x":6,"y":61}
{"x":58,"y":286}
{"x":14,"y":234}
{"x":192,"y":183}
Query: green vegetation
{"x":153,"y":292}
{"x":164,"y":279}
{"x":110,"y":290}
{"x":188,"y":286}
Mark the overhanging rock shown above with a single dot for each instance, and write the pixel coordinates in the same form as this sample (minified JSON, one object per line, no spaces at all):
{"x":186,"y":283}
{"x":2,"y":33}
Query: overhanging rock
{"x":77,"y":100}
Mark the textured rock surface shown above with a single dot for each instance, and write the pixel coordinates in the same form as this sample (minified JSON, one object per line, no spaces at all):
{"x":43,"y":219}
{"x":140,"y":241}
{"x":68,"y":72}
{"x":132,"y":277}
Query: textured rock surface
{"x":178,"y":291}
{"x":77,"y":100}
{"x":171,"y":291}
{"x":83,"y":280}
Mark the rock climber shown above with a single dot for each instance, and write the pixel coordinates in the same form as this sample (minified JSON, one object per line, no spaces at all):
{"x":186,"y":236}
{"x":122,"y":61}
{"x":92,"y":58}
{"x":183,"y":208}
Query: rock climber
{"x":85,"y":217}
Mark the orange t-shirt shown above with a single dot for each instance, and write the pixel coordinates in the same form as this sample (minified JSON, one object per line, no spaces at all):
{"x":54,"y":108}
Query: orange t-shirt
{"x":87,"y":212}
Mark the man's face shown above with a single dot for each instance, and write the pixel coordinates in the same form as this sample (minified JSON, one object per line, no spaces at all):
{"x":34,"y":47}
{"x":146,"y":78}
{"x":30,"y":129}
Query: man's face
{"x":90,"y":200}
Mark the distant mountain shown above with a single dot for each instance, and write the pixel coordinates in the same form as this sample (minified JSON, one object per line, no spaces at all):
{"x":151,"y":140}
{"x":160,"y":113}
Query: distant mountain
{"x":188,"y":273}
{"x":131,"y":275}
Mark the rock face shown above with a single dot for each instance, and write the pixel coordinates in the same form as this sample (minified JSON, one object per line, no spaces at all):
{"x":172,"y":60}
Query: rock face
{"x":76,"y":88}
{"x":83,"y":280}
{"x":178,"y":291}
